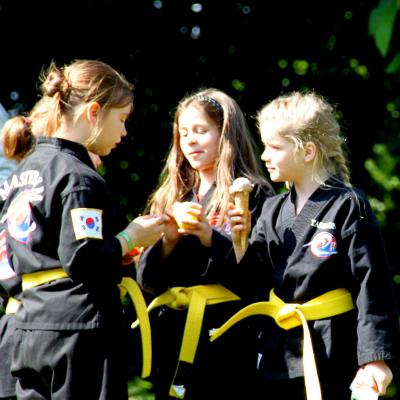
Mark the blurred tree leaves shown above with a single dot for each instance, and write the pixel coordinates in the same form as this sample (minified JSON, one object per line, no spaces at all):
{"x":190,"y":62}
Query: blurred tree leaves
{"x":381,"y":23}
{"x":384,"y":166}
{"x":382,"y":169}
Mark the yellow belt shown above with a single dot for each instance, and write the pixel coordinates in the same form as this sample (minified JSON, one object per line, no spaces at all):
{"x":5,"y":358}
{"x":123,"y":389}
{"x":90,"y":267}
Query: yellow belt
{"x":41,"y":277}
{"x":130,"y":286}
{"x":32,"y":280}
{"x":195,"y":298}
{"x":127,"y":285}
{"x":291,"y":315}
{"x":12,"y":305}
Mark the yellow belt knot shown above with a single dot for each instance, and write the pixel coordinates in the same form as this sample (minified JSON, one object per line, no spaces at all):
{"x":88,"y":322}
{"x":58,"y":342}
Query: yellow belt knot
{"x":195,"y":299}
{"x":181,"y":299}
{"x":287,"y":317}
{"x":291,"y":315}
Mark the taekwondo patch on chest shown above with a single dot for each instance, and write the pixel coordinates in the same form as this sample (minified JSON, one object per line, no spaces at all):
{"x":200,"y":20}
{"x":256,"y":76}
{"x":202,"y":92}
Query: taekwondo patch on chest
{"x":87,"y":223}
{"x":323,"y":245}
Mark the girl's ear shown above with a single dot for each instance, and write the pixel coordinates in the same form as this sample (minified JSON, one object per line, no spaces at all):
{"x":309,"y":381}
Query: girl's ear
{"x":309,"y":151}
{"x":92,"y":112}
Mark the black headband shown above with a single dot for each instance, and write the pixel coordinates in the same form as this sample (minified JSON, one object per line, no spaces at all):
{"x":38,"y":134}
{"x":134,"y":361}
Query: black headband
{"x":211,"y":101}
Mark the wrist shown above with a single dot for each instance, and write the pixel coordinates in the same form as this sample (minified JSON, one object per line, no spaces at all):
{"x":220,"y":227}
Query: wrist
{"x":128,"y":241}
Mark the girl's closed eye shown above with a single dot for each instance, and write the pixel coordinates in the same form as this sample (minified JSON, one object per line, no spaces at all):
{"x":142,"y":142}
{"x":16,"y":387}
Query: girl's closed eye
{"x":272,"y":145}
{"x":183,"y":133}
{"x":201,"y":130}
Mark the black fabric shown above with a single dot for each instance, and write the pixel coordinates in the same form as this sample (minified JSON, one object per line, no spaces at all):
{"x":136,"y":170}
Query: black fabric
{"x":71,"y":329}
{"x":224,"y":369}
{"x":333,"y":388}
{"x":334,"y":242}
{"x":86,"y":365}
{"x":7,"y":337}
{"x":57,"y":178}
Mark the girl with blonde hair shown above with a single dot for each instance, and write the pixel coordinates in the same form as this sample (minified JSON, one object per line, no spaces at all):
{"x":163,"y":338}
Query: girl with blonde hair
{"x":318,"y":250}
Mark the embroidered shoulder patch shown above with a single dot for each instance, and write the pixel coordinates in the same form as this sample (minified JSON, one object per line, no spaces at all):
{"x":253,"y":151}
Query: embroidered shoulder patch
{"x":87,"y":223}
{"x":6,"y":270}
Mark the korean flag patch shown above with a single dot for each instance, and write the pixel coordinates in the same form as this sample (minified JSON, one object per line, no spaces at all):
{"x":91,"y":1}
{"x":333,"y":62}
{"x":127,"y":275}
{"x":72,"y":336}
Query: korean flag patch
{"x":87,"y":223}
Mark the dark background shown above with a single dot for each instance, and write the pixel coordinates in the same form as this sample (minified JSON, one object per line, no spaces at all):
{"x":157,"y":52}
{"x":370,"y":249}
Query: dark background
{"x":247,"y":49}
{"x":254,"y":50}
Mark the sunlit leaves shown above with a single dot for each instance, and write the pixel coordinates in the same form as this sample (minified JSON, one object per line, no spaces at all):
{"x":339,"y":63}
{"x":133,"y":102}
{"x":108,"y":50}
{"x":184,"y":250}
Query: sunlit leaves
{"x":348,"y":15}
{"x":300,"y":67}
{"x":381,"y":23}
{"x":238,"y":85}
{"x":394,"y":64}
{"x":383,"y":171}
{"x":124,"y":164}
{"x":330,"y":45}
{"x":283,"y":63}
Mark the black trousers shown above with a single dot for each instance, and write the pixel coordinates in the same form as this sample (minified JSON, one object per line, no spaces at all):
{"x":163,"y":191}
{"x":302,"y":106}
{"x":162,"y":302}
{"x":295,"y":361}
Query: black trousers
{"x":7,"y":339}
{"x":332,"y":388}
{"x":63,"y":365}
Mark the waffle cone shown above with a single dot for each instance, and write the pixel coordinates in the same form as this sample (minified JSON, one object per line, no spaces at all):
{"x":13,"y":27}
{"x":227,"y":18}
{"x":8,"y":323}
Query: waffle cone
{"x":240,"y":239}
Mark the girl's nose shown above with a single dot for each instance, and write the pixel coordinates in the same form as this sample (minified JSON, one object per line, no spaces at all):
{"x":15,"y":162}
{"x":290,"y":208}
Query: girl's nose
{"x":191,"y":137}
{"x":264,"y":155}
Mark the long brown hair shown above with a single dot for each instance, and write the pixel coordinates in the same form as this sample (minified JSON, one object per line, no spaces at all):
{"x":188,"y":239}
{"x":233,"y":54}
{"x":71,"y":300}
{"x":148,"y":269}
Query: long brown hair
{"x":237,"y":155}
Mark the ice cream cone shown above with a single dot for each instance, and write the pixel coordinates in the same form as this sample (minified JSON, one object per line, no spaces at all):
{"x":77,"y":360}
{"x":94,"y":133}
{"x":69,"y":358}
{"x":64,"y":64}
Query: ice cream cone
{"x":240,"y":191}
{"x":241,"y":200}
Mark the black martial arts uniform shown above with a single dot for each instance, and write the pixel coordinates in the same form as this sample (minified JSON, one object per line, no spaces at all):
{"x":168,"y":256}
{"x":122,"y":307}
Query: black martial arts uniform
{"x":334,"y":242}
{"x":9,"y":283}
{"x":58,"y":214}
{"x":7,"y":338}
{"x":220,"y":370}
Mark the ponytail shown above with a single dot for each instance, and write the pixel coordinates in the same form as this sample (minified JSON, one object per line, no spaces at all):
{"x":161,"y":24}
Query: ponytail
{"x":17,"y":138}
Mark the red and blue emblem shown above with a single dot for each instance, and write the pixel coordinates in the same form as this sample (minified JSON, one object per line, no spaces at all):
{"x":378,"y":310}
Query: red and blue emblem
{"x":19,"y":218}
{"x":323,"y":245}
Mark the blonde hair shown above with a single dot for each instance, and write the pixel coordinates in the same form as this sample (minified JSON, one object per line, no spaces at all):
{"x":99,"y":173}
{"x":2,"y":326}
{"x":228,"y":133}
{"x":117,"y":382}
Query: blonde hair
{"x":65,"y":92}
{"x":308,"y":117}
{"x":236,"y":155}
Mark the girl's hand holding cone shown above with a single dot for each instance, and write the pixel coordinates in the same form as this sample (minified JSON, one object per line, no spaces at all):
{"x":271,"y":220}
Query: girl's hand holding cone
{"x":240,"y":223}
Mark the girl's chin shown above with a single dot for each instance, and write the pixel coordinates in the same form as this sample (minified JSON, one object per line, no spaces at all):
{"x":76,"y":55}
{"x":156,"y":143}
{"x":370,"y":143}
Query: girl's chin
{"x":105,"y":152}
{"x":275,"y":178}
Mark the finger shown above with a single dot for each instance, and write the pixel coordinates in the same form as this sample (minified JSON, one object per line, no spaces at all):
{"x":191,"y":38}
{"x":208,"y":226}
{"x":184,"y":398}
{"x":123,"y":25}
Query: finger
{"x":235,"y":213}
{"x":196,"y":206}
{"x":239,"y":227}
{"x":381,"y":385}
{"x":231,"y":206}
{"x":238,"y":220}
{"x":364,"y":378}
